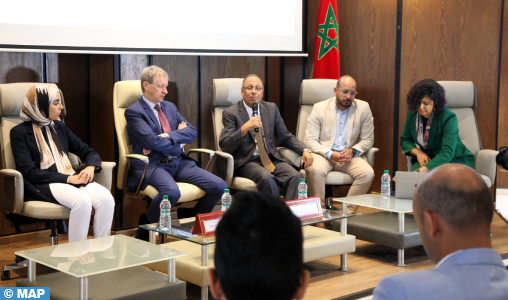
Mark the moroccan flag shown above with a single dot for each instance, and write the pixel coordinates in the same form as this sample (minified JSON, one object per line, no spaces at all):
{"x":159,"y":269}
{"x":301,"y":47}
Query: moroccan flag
{"x":326,"y":57}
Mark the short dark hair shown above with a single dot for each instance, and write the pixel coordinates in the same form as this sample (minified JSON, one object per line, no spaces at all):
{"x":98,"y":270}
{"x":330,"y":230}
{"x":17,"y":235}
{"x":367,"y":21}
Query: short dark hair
{"x":259,"y":249}
{"x":462,"y":206}
{"x":426,"y":88}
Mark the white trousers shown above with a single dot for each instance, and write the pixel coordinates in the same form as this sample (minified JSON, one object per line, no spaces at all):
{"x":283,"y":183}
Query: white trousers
{"x":81,"y":201}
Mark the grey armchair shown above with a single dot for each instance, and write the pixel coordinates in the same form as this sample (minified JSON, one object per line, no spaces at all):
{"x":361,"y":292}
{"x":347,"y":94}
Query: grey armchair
{"x":461,"y":99}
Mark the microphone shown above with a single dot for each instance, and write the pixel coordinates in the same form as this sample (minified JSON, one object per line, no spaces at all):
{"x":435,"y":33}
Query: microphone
{"x":255,"y":113}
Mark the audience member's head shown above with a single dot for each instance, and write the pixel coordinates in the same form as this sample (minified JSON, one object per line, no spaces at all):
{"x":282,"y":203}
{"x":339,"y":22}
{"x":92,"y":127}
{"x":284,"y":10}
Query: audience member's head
{"x":453,"y":208}
{"x":259,"y":251}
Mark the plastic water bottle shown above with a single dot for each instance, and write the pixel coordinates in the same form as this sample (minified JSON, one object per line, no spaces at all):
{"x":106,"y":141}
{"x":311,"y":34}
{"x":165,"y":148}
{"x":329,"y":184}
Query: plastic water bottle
{"x":226,"y":200}
{"x":385,"y":185}
{"x":302,"y":189}
{"x":165,"y":219}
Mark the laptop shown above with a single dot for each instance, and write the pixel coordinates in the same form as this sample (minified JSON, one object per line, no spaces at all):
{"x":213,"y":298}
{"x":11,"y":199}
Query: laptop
{"x":406,"y":183}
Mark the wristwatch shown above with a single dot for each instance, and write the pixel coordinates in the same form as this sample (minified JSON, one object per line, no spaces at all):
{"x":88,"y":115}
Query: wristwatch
{"x":308,"y":150}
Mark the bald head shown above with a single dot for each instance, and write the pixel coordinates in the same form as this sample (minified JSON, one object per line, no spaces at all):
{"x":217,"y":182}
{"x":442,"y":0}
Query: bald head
{"x":458,"y":195}
{"x":346,"y":79}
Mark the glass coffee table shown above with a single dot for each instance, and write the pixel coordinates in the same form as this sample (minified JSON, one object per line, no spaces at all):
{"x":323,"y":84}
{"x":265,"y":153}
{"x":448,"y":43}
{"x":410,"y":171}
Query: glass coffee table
{"x":97,"y":256}
{"x":393,"y":205}
{"x":181,"y":229}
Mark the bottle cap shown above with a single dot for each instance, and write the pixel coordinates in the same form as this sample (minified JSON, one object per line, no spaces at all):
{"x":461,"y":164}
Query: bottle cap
{"x":302,"y":179}
{"x":165,"y":197}
{"x":226,"y":191}
{"x":386,"y":171}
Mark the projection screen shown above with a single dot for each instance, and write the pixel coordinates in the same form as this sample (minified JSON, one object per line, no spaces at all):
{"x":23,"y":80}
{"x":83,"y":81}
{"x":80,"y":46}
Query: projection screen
{"x":261,"y":27}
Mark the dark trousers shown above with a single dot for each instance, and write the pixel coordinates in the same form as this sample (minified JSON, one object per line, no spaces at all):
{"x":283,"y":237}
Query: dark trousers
{"x":164,"y":179}
{"x":284,"y":175}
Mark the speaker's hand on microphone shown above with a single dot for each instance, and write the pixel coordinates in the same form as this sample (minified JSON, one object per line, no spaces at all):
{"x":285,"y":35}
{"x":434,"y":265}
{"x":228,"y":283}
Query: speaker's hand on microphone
{"x":254,"y":122}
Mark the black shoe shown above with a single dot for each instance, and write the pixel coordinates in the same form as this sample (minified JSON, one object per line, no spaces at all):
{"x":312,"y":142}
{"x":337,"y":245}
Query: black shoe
{"x":184,"y":212}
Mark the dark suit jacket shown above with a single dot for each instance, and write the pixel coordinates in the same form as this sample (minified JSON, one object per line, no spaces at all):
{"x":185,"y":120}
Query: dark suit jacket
{"x":144,"y":129}
{"x":444,"y":144}
{"x":27,"y":157}
{"x":242,"y":148}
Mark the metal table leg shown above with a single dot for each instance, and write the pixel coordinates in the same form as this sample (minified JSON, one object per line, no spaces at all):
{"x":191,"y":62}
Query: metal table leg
{"x":172,"y":270}
{"x":152,"y":237}
{"x":83,"y":288}
{"x":204,"y":262}
{"x":343,"y":232}
{"x":400,"y":255}
{"x":31,"y":270}
{"x":204,"y":293}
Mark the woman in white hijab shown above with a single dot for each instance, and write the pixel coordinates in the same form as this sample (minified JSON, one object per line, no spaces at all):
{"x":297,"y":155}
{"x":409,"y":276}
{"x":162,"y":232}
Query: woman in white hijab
{"x":40,"y":146}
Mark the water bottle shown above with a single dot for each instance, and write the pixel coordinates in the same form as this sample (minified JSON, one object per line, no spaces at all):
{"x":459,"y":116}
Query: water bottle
{"x":165,"y":219}
{"x":385,"y":185}
{"x":302,"y":189}
{"x":226,"y":200}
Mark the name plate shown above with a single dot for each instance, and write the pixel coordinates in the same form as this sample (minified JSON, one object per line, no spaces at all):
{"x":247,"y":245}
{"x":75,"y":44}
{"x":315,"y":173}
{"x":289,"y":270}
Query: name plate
{"x":308,"y":208}
{"x":206,"y":224}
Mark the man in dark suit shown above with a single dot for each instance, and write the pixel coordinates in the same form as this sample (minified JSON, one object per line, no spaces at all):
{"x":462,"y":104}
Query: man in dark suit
{"x":255,"y":154}
{"x":156,"y":129}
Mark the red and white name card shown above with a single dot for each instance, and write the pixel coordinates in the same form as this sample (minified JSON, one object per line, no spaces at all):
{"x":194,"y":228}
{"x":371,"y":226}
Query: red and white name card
{"x":307,"y":208}
{"x":207,"y":223}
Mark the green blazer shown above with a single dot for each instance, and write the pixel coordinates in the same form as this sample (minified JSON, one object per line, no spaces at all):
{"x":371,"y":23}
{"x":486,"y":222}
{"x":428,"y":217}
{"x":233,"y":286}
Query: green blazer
{"x":444,"y":144}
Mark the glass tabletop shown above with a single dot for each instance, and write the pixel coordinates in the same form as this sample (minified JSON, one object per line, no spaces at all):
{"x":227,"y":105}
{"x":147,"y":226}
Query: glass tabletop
{"x":375,"y":201}
{"x":101,"y":255}
{"x":181,"y":229}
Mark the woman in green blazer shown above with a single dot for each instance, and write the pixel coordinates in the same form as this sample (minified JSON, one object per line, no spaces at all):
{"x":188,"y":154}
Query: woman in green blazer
{"x":431,"y":132}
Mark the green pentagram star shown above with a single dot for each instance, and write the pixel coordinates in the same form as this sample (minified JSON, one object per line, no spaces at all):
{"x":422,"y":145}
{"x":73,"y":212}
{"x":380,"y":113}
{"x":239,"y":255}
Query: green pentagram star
{"x":330,"y":24}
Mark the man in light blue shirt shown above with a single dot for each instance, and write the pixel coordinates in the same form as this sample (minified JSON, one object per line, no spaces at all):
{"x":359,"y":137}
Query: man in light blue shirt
{"x":340,"y":131}
{"x":453,"y":209}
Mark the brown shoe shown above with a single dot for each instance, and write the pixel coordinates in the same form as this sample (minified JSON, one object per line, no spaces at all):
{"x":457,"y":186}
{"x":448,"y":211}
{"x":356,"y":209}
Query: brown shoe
{"x":320,"y":225}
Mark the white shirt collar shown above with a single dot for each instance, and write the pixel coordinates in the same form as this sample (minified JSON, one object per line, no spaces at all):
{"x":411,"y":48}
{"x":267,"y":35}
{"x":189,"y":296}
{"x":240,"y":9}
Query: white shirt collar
{"x":249,"y":109}
{"x":150,"y":103}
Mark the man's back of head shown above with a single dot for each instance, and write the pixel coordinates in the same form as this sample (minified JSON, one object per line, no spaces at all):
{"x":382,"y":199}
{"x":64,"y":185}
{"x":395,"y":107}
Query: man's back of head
{"x":453,"y":208}
{"x":259,"y":251}
{"x":456,"y":200}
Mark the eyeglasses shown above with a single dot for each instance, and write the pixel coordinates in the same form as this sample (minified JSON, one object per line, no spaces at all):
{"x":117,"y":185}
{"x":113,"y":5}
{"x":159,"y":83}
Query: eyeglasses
{"x":250,"y":88}
{"x":350,"y":92}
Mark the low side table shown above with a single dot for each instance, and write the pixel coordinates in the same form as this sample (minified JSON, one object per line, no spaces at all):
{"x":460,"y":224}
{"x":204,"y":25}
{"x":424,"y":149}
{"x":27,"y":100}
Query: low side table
{"x":390,"y":227}
{"x":112,"y":263}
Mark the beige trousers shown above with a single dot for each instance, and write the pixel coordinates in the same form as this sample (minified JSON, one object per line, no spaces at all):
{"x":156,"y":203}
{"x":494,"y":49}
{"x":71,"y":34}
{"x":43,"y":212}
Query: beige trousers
{"x":358,"y":168}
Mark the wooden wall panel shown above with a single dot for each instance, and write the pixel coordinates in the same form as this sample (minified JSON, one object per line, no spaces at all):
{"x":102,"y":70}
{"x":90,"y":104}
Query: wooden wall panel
{"x":20,"y":67}
{"x":222,"y":67}
{"x":502,"y":136}
{"x":453,"y":40}
{"x":272,"y":82}
{"x":102,"y":126}
{"x":292,"y":76}
{"x":367,"y":36}
{"x":183,"y":86}
{"x":71,"y":73}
